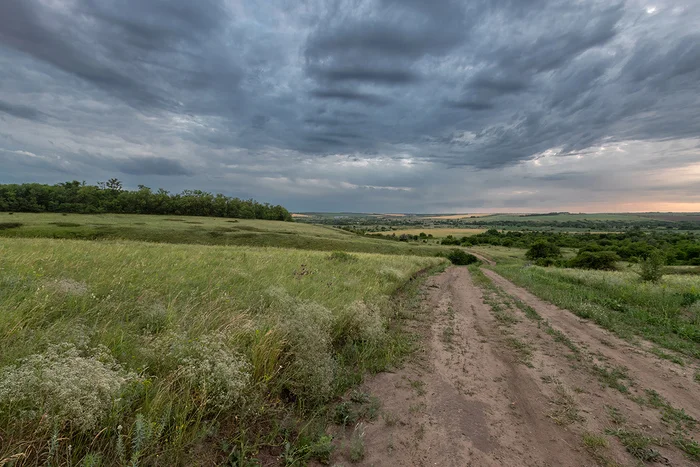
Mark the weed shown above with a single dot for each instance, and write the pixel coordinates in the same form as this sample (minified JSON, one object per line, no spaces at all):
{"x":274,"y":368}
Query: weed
{"x":667,"y":356}
{"x":522,"y":349}
{"x":359,"y":397}
{"x":357,"y":443}
{"x":689,"y":446}
{"x":611,"y":377}
{"x":593,"y":441}
{"x":418,"y":386}
{"x":638,"y":444}
{"x":616,"y":417}
{"x":344,"y":414}
{"x":566,"y":409}
{"x":389,"y":418}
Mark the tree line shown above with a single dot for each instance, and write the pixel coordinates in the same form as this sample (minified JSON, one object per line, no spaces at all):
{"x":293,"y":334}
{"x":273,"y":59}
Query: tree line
{"x":111,"y":197}
{"x":634,"y":245}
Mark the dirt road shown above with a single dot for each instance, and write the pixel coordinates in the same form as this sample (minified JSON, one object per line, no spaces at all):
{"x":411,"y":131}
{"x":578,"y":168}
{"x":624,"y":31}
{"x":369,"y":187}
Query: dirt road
{"x":505,"y":379}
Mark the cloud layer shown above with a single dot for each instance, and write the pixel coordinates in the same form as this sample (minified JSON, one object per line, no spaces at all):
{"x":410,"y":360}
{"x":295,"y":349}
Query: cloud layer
{"x":394,"y":105}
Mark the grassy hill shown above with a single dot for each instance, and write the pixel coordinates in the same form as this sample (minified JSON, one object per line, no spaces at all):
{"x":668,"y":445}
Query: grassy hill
{"x":203,"y":231}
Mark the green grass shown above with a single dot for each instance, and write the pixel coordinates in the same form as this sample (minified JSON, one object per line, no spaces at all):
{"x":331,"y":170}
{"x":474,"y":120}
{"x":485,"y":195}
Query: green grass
{"x":203,"y":231}
{"x":620,"y":302}
{"x":144,"y":353}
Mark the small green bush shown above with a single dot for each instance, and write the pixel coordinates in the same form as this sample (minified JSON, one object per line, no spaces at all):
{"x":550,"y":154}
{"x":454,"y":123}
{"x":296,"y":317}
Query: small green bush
{"x":651,"y":269}
{"x":461,"y":257}
{"x":602,"y":260}
{"x":542,"y":249}
{"x":545,"y":262}
{"x":10,"y":225}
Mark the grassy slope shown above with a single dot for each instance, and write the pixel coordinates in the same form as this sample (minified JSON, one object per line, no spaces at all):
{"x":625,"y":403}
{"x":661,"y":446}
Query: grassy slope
{"x":667,"y":313}
{"x":204,"y":231}
{"x":306,"y":326}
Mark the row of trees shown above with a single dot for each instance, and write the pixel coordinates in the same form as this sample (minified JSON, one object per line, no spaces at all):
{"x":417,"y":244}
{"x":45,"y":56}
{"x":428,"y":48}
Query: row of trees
{"x":110,"y":197}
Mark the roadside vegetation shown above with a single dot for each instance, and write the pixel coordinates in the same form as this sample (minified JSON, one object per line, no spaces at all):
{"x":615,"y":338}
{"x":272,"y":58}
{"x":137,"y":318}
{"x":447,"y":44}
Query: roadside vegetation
{"x":136,"y":353}
{"x":666,"y":312}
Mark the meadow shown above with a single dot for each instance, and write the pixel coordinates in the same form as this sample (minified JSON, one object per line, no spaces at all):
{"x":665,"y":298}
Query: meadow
{"x":202,"y":231}
{"x":666,"y":313}
{"x":122,"y":352}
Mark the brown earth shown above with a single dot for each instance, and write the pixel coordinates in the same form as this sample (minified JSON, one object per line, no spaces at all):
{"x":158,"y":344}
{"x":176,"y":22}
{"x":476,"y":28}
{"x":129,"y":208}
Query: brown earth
{"x":494,"y":387}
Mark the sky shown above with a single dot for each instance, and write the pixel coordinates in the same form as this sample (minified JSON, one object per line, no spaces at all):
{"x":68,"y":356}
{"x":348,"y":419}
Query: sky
{"x":365,"y":106}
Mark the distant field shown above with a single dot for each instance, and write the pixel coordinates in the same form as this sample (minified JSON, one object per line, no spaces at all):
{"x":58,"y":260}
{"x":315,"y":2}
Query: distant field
{"x":437,"y":233}
{"x":203,"y":231}
{"x":561,"y":217}
{"x":457,"y":216}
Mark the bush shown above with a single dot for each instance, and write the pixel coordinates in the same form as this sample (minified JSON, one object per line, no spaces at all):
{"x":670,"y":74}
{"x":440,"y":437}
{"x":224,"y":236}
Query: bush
{"x":652,"y":267}
{"x":604,"y":260}
{"x":542,"y":249}
{"x":65,"y":384}
{"x":545,"y":262}
{"x":461,"y":257}
{"x":219,"y":375}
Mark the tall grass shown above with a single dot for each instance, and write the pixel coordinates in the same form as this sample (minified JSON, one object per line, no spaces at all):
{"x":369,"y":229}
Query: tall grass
{"x":116,"y":353}
{"x":667,"y":313}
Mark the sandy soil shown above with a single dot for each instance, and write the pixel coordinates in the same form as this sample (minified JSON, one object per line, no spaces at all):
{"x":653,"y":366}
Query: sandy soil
{"x":493,"y":387}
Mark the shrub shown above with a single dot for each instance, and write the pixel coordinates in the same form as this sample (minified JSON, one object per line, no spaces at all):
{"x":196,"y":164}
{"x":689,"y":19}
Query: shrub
{"x":65,"y":383}
{"x":542,"y":249}
{"x":10,"y":225}
{"x":309,"y":368}
{"x":651,"y":269}
{"x":218,"y":373}
{"x":545,"y":262}
{"x":604,"y":260}
{"x":358,"y":323}
{"x":461,"y":257}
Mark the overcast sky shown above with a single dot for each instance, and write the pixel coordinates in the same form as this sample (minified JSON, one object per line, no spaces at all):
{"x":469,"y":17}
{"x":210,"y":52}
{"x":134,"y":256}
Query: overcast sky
{"x":371,"y":106}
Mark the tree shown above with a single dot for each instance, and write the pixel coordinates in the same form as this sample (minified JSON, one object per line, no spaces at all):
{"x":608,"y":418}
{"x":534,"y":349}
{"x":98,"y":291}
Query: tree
{"x":542,"y":249}
{"x":594,"y":260}
{"x":652,"y":267}
{"x":114,"y":184}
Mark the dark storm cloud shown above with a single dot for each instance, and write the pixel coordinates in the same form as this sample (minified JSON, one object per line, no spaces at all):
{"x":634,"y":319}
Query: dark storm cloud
{"x":416,"y":86}
{"x":348,"y":95}
{"x":152,"y":166}
{"x":20,"y":111}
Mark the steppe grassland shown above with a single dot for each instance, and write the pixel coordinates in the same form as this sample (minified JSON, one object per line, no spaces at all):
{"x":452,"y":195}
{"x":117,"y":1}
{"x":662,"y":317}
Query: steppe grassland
{"x":202,"y":231}
{"x":119,"y":352}
{"x":666,"y":313}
